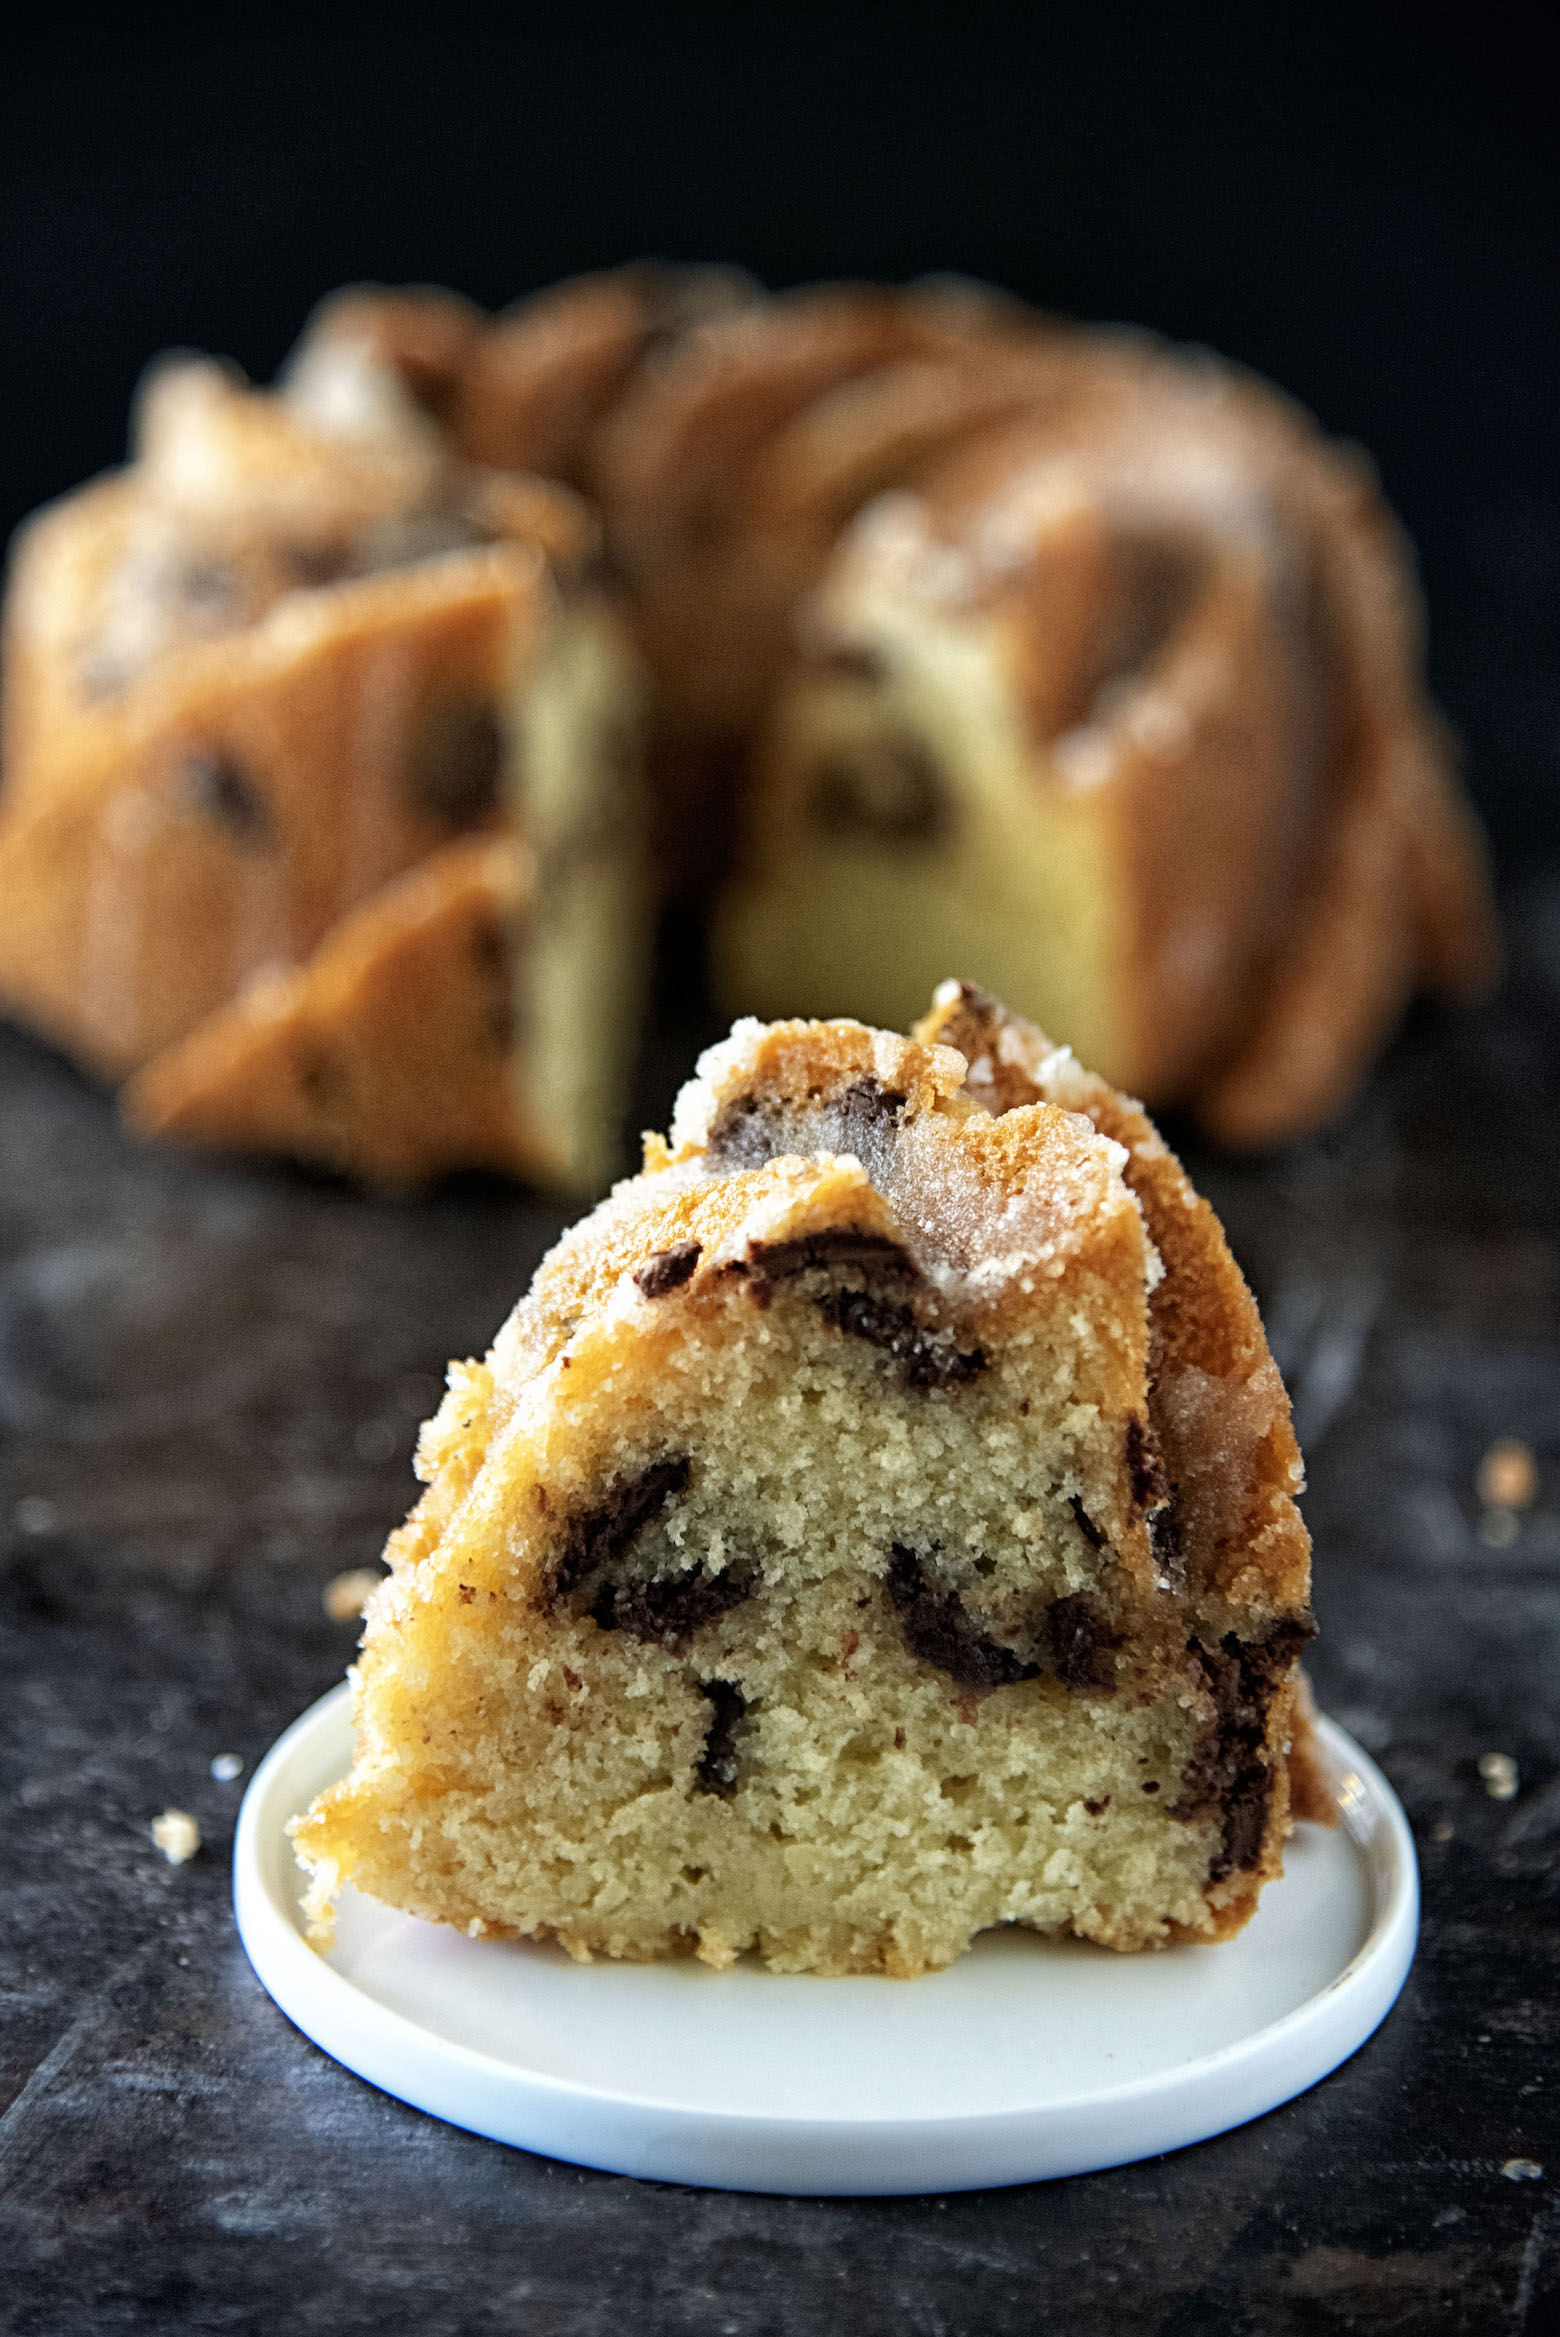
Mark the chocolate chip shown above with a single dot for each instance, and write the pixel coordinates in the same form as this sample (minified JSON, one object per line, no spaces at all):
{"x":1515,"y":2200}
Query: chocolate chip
{"x":210,"y":586}
{"x":750,"y":1130}
{"x":316,"y":564}
{"x":490,"y":950}
{"x":926,"y":1359}
{"x":1097,"y":1809}
{"x":940,"y":1632}
{"x":667,"y":1269}
{"x":889,"y":792}
{"x":716,"y":1769}
{"x":1149,"y":1485}
{"x":666,"y":1612}
{"x":1228,"y":1773}
{"x":854,"y":661}
{"x":1083,"y":1644}
{"x":219,"y":788}
{"x":324,"y":1078}
{"x":1164,"y":1536}
{"x":454,"y":762}
{"x":1086,"y":1525}
{"x":607,"y":1533}
{"x":842,"y":1245}
{"x":863,"y":1114}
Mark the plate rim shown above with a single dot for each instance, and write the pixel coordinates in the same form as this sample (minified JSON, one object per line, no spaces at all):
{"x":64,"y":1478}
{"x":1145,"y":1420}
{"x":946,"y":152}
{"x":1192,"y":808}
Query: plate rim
{"x":297,"y":1977}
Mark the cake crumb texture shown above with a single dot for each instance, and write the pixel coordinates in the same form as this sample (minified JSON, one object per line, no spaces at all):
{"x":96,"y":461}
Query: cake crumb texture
{"x":876,"y":1524}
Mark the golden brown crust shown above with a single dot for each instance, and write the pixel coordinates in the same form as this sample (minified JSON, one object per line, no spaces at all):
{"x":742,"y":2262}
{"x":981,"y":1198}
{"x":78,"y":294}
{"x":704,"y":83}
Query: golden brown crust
{"x":388,"y":1054}
{"x":1217,"y":1403}
{"x":1287,"y":772}
{"x":1214,"y":1386}
{"x":428,"y":336}
{"x":1219,"y":654}
{"x":218,"y":818}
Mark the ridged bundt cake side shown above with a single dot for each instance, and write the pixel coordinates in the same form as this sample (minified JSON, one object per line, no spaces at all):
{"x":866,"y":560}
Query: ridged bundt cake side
{"x":967,"y":637}
{"x":1080,"y":660}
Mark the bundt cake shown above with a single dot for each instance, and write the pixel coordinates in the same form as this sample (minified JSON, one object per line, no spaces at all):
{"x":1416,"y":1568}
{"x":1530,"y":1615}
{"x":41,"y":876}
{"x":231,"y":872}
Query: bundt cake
{"x":965,"y":637}
{"x":876,"y":1524}
{"x":264,"y":689}
{"x":1056,"y":653}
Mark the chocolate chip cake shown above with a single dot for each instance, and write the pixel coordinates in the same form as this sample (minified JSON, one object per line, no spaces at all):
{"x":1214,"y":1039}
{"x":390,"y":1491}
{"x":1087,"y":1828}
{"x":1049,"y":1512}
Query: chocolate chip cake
{"x":265,"y":691}
{"x":960,"y":637}
{"x":1085,"y":663}
{"x":876,"y":1524}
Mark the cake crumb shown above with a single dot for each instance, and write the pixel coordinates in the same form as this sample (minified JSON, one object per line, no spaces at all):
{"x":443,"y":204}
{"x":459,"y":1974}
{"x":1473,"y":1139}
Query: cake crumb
{"x":176,"y":1835}
{"x":1508,"y":1475}
{"x":344,"y":1595}
{"x":1499,"y":1772}
{"x":1442,"y":1830}
{"x":1522,"y":2170}
{"x":1498,"y":1528}
{"x":226,"y":1766}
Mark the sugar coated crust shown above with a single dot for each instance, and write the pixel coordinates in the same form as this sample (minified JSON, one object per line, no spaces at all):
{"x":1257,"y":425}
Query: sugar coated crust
{"x":877,"y":1522}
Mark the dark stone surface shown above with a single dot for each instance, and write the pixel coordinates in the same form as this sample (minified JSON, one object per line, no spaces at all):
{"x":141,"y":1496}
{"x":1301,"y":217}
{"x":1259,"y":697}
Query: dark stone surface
{"x":209,"y":1381}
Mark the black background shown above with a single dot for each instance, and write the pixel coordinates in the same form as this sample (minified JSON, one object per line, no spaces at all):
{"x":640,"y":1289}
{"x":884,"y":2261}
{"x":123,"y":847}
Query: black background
{"x":1358,"y":201}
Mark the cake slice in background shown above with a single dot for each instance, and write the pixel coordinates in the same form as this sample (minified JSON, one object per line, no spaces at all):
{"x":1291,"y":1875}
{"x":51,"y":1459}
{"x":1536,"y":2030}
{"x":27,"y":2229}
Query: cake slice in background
{"x":255,"y":681}
{"x":877,"y":1523}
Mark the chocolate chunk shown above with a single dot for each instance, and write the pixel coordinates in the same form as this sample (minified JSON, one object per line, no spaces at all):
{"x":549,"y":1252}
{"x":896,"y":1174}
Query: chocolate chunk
{"x":667,"y":1269}
{"x":926,"y":1359}
{"x":749,"y":1130}
{"x":842,"y":1245}
{"x":890,"y":792}
{"x":854,"y":661}
{"x":324,"y":1077}
{"x":490,"y":949}
{"x":218,"y":787}
{"x":1083,"y":1644}
{"x":716,"y":1769}
{"x":607,"y":1533}
{"x":937,"y":1628}
{"x":210,"y":586}
{"x":454,"y":762}
{"x":1164,"y":1534}
{"x":667,"y":1611}
{"x":744,"y":1134}
{"x":862,"y":1114}
{"x":1086,"y":1525}
{"x":1228,"y":1772}
{"x":1150,"y":1487}
{"x":316,"y":564}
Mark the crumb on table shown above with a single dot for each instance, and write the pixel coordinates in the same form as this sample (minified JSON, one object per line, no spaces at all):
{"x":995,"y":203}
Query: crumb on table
{"x":1508,"y":1475}
{"x":344,"y":1594}
{"x":176,"y":1835}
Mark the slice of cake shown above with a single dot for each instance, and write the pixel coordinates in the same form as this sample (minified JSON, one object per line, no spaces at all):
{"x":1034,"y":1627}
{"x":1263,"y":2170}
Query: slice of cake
{"x":257,"y":682}
{"x":876,"y":1524}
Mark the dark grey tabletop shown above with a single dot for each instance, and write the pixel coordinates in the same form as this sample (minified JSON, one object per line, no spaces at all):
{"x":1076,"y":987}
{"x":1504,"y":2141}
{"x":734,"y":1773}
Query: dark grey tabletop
{"x":209,"y":1383}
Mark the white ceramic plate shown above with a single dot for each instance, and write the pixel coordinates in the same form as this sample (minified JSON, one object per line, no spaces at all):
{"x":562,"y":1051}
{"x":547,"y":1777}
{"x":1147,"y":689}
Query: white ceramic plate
{"x":1027,"y":2059}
